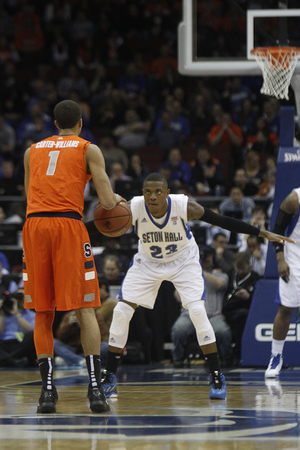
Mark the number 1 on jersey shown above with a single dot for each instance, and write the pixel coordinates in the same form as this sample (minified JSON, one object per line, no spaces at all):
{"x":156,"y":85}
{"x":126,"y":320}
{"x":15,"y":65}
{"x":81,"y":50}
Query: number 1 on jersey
{"x":53,"y":161}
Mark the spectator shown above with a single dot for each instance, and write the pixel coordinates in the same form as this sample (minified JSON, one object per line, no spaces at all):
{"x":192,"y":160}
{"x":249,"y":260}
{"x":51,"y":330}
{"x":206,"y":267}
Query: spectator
{"x":104,"y":314}
{"x":166,"y":137}
{"x":136,"y":169}
{"x":112,"y":270}
{"x":111,"y":247}
{"x":180,"y":170}
{"x":253,"y":168}
{"x":237,"y":205}
{"x":225,"y":132}
{"x":271,"y":114}
{"x":166,"y":170}
{"x":88,"y":54}
{"x":261,"y":139}
{"x":16,"y":331}
{"x":183,"y":329}
{"x":117,"y":172}
{"x":160,"y":64}
{"x":258,"y":219}
{"x":6,"y":283}
{"x":7,"y":137}
{"x":240,"y":179}
{"x":223,"y":257}
{"x":179,"y":121}
{"x":238,"y":94}
{"x":267,"y":188}
{"x":72,"y":81}
{"x":131,"y":135}
{"x":238,"y":301}
{"x":257,"y":254}
{"x":212,"y":230}
{"x":246,"y":117}
{"x":207,"y":173}
{"x":60,"y":51}
{"x":201,"y":119}
{"x":112,"y":153}
{"x":132,"y":82}
{"x":10,"y":184}
{"x":82,"y":27}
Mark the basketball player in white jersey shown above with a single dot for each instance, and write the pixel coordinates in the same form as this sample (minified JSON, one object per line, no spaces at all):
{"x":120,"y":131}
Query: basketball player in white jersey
{"x":167,"y":251}
{"x":288,"y":260}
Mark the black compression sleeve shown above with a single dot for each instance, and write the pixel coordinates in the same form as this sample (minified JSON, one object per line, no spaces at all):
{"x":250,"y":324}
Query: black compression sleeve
{"x":282,"y":221}
{"x":237,"y":226}
{"x":91,"y":227}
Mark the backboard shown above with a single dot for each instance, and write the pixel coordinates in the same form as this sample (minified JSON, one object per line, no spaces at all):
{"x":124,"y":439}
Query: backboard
{"x":249,"y":28}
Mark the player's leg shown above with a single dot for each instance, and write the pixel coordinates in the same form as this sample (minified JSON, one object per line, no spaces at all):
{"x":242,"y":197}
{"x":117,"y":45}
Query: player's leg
{"x":118,"y":335}
{"x":77,"y":288}
{"x":90,"y":340}
{"x":189,"y":282}
{"x":43,"y":340}
{"x":280,"y":330}
{"x":139,"y":287}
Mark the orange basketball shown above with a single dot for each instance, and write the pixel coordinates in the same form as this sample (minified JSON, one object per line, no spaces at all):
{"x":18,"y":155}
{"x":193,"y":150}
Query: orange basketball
{"x":113,"y":222}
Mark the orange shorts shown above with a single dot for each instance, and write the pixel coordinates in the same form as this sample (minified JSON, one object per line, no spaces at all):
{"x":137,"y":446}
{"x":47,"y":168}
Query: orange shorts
{"x":58,"y":265}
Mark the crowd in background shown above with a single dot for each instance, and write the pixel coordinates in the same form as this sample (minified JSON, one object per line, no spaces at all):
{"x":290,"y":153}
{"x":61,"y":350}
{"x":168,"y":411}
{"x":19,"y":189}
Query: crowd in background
{"x":209,"y":136}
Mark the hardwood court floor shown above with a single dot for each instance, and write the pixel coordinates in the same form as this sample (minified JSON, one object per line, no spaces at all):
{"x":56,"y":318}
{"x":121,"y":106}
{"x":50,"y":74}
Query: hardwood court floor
{"x":158,"y":407}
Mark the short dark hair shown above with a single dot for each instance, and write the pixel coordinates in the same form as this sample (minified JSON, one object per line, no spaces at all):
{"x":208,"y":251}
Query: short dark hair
{"x":156,"y":176}
{"x":67,"y":114}
{"x":103,"y":282}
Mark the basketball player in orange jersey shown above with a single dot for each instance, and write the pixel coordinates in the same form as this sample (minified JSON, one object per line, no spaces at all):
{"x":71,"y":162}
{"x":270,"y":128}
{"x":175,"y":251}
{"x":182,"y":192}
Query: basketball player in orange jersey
{"x":58,"y":265}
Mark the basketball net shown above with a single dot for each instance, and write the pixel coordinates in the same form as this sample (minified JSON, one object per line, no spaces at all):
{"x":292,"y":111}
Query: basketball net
{"x":278,"y":65}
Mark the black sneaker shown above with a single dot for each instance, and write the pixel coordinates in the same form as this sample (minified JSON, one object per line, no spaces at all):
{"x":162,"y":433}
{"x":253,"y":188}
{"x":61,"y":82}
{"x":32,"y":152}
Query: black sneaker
{"x":97,"y":400}
{"x":47,"y":401}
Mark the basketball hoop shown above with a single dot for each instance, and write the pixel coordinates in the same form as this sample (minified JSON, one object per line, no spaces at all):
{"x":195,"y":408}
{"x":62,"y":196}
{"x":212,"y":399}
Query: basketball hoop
{"x":278,"y":65}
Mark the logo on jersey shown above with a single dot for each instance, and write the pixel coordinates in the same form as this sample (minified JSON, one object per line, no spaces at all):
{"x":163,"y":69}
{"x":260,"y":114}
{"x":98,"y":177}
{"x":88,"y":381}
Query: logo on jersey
{"x":174,"y":220}
{"x":144,"y":220}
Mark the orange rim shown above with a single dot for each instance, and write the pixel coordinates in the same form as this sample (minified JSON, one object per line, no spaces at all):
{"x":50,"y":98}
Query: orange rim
{"x":263,"y":51}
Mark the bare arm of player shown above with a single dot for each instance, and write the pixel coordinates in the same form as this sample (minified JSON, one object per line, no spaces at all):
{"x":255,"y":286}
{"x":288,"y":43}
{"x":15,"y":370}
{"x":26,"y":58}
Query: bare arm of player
{"x":26,"y":170}
{"x":196,"y":211}
{"x":95,"y":162}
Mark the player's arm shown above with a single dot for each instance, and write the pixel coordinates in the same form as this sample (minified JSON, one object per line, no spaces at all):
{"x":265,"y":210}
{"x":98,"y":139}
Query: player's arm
{"x":288,"y":209}
{"x":26,"y":169}
{"x":196,"y":211}
{"x":96,"y":164}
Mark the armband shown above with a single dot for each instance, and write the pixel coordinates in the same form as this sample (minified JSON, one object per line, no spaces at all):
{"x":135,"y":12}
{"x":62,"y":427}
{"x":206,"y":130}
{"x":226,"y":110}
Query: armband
{"x":282,"y":221}
{"x":228,"y":223}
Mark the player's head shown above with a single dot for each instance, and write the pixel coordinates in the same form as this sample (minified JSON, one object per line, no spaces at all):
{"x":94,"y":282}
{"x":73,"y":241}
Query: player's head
{"x":68,"y":115}
{"x":155,"y":191}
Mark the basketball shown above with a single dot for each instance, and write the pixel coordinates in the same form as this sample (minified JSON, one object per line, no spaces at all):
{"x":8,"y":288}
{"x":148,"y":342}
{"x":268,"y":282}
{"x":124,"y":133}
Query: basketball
{"x":113,"y":222}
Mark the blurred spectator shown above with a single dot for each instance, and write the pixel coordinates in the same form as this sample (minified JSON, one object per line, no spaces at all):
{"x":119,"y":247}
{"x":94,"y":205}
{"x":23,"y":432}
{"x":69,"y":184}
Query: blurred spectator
{"x":246,"y":117}
{"x":112,"y":270}
{"x":180,"y":170}
{"x":16,"y":332}
{"x":166,"y":170}
{"x":179,"y":121}
{"x":254,"y":171}
{"x":8,"y":52}
{"x":88,"y":54}
{"x":60,"y":51}
{"x":7,"y":137}
{"x":240,"y":179}
{"x":72,"y":81}
{"x":257,"y":254}
{"x":201,"y":119}
{"x":237,"y":205}
{"x":267,"y":187}
{"x":27,"y":123}
{"x":212,"y":230}
{"x":6,"y":283}
{"x":37,"y":130}
{"x":117,"y":172}
{"x":225,"y":132}
{"x":166,"y":58}
{"x":104,"y":313}
{"x":259,"y":217}
{"x":271,"y":113}
{"x":132,"y":134}
{"x":261,"y":139}
{"x":112,"y":153}
{"x":237,"y":94}
{"x":132,"y":82}
{"x":111,"y":247}
{"x":223,"y":257}
{"x":136,"y":169}
{"x":166,"y":136}
{"x":238,"y":301}
{"x":207,"y":173}
{"x":81,"y":27}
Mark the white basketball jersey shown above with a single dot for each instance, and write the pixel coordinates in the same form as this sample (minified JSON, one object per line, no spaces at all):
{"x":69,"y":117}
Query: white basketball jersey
{"x":292,"y":251}
{"x":169,"y":240}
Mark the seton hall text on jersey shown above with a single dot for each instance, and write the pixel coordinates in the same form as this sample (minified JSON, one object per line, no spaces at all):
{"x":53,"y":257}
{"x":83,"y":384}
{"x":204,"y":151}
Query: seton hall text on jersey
{"x":58,"y":144}
{"x":160,"y":236}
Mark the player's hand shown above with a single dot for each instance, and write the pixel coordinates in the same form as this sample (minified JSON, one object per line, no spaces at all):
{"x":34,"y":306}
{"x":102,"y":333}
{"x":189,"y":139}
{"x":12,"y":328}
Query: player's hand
{"x":273,"y":237}
{"x":120,"y":199}
{"x":284,"y":270}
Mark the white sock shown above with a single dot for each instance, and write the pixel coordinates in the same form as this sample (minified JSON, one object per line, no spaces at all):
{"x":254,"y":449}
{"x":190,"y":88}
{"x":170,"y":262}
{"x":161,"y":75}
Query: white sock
{"x":277,"y":346}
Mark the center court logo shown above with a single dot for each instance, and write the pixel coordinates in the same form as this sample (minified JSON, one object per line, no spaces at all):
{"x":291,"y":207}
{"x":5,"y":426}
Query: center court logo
{"x":264,"y":331}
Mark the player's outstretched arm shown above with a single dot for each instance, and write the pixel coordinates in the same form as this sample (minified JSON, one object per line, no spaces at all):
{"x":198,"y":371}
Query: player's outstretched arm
{"x":196,"y":211}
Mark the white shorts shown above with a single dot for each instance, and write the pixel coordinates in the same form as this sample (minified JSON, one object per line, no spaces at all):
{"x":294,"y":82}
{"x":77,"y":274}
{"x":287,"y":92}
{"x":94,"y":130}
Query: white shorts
{"x":289,"y":293}
{"x":144,"y":277}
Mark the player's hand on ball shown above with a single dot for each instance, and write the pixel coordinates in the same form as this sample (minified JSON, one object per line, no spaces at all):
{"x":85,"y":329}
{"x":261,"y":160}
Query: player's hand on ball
{"x":120,"y":199}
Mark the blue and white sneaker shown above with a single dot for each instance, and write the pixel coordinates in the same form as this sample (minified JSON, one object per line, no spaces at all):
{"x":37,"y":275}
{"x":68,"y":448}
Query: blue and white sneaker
{"x":218,"y":390}
{"x":109,"y":384}
{"x":274,"y":366}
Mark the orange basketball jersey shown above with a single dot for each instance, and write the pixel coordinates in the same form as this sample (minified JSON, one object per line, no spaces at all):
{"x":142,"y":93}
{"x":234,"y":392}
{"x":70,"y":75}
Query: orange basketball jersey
{"x":58,"y":175}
